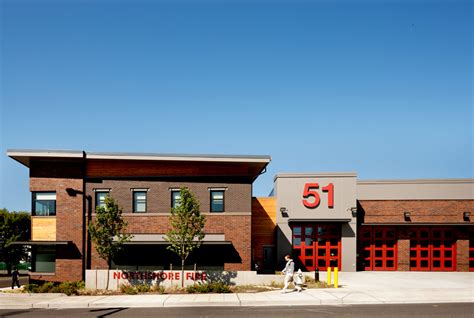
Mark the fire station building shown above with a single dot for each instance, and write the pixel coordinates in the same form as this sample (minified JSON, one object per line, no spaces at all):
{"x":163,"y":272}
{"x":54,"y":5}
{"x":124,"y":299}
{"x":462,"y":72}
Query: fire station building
{"x":322,"y":219}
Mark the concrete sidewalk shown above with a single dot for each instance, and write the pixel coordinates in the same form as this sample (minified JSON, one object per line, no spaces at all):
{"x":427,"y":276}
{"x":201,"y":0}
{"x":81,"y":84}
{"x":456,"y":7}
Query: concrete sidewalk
{"x":357,"y":288}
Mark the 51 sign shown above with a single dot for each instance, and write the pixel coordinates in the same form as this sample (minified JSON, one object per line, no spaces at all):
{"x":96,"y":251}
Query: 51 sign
{"x":311,"y":197}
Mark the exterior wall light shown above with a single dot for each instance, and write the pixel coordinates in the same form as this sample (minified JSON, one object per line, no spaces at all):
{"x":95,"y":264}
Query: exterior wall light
{"x":284,"y":212}
{"x":466,"y":216}
{"x":354,"y":211}
{"x":407,"y":216}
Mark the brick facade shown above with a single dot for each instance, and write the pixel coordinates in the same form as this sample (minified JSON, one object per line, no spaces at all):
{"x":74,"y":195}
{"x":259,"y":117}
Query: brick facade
{"x":429,"y":213}
{"x":69,"y":225}
{"x":234,"y":222}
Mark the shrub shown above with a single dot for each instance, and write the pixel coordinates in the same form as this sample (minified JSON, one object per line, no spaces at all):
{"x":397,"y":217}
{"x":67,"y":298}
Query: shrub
{"x":143,"y":288}
{"x":71,"y":288}
{"x":209,"y":288}
{"x":158,"y":289}
{"x":128,"y":289}
{"x":31,"y":288}
{"x":48,"y":287}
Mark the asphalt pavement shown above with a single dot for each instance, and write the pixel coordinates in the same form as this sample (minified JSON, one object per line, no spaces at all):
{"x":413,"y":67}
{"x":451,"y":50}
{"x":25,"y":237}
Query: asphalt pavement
{"x":410,"y":310}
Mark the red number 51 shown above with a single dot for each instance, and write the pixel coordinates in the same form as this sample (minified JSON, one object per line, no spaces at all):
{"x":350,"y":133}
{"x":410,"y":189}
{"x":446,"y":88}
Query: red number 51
{"x":310,"y":192}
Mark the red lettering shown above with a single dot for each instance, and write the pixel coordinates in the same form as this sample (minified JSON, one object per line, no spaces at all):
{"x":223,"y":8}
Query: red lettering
{"x":330,"y":190}
{"x":176,"y":276}
{"x":203,"y":276}
{"x":308,"y":193}
{"x":189,"y":276}
{"x":116,"y":275}
{"x":124,"y":275}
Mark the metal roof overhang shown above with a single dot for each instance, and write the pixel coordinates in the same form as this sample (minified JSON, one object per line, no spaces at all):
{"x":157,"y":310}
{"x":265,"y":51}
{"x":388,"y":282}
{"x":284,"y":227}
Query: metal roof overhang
{"x":320,"y":220}
{"x":419,"y":224}
{"x":167,"y":243}
{"x":40,"y":243}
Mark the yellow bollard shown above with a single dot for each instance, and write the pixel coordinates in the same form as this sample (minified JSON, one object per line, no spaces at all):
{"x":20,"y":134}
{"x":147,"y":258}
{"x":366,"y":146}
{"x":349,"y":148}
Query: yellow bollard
{"x":335,"y":277}
{"x":329,"y":276}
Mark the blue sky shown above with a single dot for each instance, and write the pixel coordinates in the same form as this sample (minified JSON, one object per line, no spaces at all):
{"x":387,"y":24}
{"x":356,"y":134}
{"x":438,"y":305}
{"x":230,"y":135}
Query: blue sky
{"x":383,"y":88}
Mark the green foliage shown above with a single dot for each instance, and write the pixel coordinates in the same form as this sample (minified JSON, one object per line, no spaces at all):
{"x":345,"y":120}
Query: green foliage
{"x":186,"y":226}
{"x":68,"y":288}
{"x":108,"y":230}
{"x":14,"y":226}
{"x":217,"y":287}
{"x":143,"y":288}
{"x":48,"y":287}
{"x":158,"y":289}
{"x":31,"y":288}
{"x":128,"y":289}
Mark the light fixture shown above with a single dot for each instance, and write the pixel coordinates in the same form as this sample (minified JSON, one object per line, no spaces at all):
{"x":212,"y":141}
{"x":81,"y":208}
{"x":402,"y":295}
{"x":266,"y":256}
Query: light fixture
{"x":354,"y":211}
{"x":284,"y":212}
{"x":407,"y":216}
{"x":466,"y":216}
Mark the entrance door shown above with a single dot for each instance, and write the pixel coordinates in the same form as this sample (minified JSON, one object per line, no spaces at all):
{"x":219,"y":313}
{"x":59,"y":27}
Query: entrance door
{"x":432,"y":249}
{"x":317,"y":245}
{"x":378,"y":248}
{"x":268,"y":258}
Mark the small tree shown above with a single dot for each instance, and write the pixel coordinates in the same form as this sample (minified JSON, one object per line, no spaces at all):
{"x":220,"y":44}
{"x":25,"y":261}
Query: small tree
{"x":186,"y":227}
{"x":14,"y":226}
{"x":108,"y":231}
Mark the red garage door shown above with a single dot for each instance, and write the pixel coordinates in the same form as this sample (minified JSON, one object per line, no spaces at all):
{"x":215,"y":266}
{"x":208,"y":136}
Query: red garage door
{"x":317,"y":246}
{"x":432,"y":249}
{"x":378,"y":248}
{"x":471,"y":250}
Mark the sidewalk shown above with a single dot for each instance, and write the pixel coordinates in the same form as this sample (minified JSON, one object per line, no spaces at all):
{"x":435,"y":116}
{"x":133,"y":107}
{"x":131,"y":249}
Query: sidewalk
{"x":357,"y":288}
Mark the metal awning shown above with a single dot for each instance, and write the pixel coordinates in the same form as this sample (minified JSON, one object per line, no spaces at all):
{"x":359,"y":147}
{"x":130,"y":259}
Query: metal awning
{"x":419,"y":224}
{"x":319,"y":220}
{"x":40,"y":243}
{"x":167,"y":243}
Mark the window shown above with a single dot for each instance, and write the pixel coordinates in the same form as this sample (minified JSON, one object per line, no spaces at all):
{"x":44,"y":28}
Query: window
{"x":175,"y":198}
{"x":45,"y":259}
{"x":139,"y":201}
{"x":44,"y":203}
{"x":217,"y":201}
{"x":100,"y":198}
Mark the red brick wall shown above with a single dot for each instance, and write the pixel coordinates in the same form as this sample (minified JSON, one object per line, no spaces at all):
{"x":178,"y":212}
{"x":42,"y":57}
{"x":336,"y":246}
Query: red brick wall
{"x":69,"y":211}
{"x":237,"y":197}
{"x":422,"y":211}
{"x":236,"y":229}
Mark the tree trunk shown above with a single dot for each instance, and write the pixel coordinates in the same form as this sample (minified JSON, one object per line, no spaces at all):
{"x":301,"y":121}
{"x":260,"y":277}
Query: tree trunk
{"x":182,"y":272}
{"x":108,"y":275}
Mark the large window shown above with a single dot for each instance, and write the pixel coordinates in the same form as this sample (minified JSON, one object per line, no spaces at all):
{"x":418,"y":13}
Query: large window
{"x":139,"y":201}
{"x":175,"y":198}
{"x":217,"y":201}
{"x":45,"y":259}
{"x":44,"y":203}
{"x":100,"y":198}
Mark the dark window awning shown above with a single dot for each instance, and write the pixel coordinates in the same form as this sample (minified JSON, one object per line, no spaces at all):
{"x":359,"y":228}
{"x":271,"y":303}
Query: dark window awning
{"x":319,"y":220}
{"x":418,"y":224}
{"x":40,"y":243}
{"x":167,"y":243}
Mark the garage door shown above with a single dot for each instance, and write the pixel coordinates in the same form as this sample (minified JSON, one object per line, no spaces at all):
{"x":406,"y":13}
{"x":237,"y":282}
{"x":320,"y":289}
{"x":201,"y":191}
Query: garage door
{"x":432,"y":249}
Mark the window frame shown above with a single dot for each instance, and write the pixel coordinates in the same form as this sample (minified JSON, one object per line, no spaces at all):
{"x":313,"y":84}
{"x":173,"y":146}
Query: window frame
{"x":211,"y":191}
{"x":172,"y":197}
{"x":134,"y":201}
{"x":96,"y":195}
{"x":34,"y":260}
{"x":33,"y":203}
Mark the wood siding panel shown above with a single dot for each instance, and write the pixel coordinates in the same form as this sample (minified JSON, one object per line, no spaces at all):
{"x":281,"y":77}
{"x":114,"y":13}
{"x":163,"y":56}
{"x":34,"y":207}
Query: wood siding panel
{"x":263,"y":226}
{"x":43,"y":228}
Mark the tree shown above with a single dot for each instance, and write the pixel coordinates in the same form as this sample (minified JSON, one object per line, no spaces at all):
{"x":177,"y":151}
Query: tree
{"x":186,"y":227}
{"x":108,"y":231}
{"x":14,"y":226}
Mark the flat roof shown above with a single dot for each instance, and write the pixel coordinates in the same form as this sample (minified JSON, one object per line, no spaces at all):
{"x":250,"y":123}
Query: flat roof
{"x":413,"y":181}
{"x":314,"y":174}
{"x":24,"y":156}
